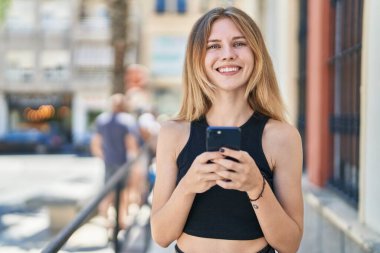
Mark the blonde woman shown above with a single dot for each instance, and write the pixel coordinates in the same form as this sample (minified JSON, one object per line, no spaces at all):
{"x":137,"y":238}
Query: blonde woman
{"x":250,"y":205}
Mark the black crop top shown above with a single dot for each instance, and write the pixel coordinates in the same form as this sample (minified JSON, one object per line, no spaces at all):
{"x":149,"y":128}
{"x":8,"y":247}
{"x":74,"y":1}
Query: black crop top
{"x":220,"y":213}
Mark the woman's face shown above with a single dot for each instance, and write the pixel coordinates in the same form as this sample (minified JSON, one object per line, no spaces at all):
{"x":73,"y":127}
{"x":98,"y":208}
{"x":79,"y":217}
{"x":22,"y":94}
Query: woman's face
{"x":229,"y":60}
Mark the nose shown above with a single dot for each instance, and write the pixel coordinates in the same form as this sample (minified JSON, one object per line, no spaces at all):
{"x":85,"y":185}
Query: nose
{"x":228,"y":54}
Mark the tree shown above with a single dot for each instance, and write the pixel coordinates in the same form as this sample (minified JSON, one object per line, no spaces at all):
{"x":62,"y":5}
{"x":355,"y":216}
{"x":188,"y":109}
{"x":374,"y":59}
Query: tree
{"x":4,"y":4}
{"x":118,"y":12}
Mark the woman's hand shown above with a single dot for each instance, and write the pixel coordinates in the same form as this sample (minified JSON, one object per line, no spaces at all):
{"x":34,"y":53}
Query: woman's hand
{"x":201,"y":175}
{"x":242,"y":175}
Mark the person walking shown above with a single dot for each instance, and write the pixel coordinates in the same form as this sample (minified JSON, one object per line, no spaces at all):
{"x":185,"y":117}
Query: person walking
{"x":115,"y":143}
{"x":203,"y":201}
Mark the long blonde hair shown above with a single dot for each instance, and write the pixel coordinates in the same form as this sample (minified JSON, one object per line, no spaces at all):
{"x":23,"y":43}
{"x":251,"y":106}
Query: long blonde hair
{"x":262,"y":92}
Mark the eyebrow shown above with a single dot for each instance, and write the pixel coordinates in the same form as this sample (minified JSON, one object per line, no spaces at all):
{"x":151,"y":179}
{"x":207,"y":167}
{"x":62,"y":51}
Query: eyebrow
{"x":234,"y":38}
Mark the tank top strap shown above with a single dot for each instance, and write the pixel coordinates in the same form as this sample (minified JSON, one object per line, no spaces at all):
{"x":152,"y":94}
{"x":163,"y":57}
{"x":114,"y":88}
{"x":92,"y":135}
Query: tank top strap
{"x":194,"y":146}
{"x":258,"y":123}
{"x":261,"y":121}
{"x":202,"y":120}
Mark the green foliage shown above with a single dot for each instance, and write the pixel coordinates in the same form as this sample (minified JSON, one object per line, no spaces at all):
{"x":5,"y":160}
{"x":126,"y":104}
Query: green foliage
{"x":4,"y":4}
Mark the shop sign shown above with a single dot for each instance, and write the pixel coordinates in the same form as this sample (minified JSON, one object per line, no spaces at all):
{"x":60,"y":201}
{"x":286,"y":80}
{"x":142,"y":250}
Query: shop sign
{"x":35,"y":100}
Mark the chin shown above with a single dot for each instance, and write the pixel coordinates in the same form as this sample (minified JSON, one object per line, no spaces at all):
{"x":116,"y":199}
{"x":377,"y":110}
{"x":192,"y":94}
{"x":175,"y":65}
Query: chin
{"x":231,"y":85}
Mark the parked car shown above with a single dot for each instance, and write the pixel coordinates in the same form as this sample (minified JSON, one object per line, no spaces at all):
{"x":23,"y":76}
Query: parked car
{"x":29,"y":141}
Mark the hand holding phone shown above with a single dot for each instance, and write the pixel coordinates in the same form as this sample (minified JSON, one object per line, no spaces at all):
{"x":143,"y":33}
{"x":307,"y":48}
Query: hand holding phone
{"x":218,"y":137}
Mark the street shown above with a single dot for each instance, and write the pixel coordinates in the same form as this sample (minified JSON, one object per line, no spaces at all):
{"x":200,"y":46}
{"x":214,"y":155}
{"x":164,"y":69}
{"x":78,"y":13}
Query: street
{"x":30,"y":183}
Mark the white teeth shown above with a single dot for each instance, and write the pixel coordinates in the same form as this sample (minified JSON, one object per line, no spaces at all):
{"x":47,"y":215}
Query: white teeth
{"x":225,"y":70}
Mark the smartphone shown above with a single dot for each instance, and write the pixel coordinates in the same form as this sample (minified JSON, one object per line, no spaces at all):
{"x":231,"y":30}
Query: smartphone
{"x":217,"y":137}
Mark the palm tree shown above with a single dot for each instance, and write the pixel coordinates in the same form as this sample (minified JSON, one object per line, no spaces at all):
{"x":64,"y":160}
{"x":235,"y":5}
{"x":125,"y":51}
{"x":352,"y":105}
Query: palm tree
{"x":118,"y":11}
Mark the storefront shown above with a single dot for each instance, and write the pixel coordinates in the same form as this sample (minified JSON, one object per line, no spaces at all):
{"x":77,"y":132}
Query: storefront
{"x":37,"y":122}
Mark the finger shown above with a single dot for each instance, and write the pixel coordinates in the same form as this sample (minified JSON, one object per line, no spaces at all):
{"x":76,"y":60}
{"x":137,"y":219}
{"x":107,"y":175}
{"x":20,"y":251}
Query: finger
{"x":209,"y":168}
{"x":212,"y":177}
{"x":231,"y":153}
{"x":227,"y":174}
{"x":227,"y":164}
{"x":240,"y":155}
{"x":209,"y":156}
{"x":238,"y":168}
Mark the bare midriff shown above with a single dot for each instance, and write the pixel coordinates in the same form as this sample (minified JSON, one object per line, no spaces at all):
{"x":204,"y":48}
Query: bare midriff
{"x":194,"y":244}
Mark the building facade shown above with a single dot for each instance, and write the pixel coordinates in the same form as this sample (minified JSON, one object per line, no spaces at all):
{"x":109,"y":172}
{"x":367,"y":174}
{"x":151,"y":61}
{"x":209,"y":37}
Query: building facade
{"x":54,"y":54}
{"x":341,"y":117}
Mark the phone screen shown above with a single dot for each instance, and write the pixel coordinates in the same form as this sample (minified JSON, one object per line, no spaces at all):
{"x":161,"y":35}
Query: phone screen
{"x":217,"y":137}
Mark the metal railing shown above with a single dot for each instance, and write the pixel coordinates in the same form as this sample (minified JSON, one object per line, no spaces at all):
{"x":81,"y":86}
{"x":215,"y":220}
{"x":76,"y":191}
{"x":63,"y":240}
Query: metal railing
{"x":114,"y":183}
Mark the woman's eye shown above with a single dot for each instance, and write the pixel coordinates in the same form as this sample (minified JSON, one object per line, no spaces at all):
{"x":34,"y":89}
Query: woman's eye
{"x":240,"y":44}
{"x":213,"y":46}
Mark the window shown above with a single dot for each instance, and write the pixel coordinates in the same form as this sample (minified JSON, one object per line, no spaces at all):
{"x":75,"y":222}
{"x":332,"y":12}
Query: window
{"x":94,"y":20}
{"x":345,"y":119}
{"x":93,"y":56}
{"x":171,"y":6}
{"x":181,"y":6}
{"x":55,"y":15}
{"x":93,"y":62}
{"x":160,"y":6}
{"x":168,"y":54}
{"x":55,"y":65}
{"x":20,"y":66}
{"x":21,"y":17}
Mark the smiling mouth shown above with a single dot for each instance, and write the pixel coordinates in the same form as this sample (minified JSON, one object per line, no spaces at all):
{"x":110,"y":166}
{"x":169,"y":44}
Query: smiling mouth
{"x":228,"y":69}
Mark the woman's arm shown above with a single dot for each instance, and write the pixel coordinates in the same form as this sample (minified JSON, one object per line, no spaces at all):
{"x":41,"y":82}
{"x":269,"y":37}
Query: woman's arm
{"x":280,"y":215}
{"x":171,"y":203}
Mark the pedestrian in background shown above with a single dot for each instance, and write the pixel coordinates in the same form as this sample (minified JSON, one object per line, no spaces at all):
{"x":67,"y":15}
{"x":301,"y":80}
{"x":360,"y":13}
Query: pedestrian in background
{"x":253,"y":204}
{"x":115,"y":143}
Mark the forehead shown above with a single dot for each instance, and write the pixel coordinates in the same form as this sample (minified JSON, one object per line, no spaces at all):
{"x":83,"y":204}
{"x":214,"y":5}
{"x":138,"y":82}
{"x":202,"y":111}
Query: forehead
{"x":223,"y":27}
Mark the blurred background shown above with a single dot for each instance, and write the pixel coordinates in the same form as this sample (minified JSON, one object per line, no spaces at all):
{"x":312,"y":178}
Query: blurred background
{"x":61,"y":59}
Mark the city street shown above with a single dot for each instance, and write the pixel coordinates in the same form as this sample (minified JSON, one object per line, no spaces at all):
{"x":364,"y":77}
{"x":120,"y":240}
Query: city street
{"x":61,"y":62}
{"x":28,"y":184}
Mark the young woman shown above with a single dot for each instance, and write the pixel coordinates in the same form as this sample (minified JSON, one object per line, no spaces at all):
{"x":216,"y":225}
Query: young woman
{"x":250,"y":205}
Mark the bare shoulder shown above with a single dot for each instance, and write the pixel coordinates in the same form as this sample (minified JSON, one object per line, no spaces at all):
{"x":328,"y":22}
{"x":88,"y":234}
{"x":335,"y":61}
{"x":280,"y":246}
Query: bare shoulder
{"x":175,"y":126}
{"x":174,"y":129}
{"x":174,"y":134}
{"x":280,"y":139}
{"x":281,"y":132}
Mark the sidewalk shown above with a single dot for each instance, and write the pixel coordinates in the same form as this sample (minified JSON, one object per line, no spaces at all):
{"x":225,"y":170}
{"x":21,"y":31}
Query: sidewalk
{"x":29,"y":232}
{"x":26,"y":228}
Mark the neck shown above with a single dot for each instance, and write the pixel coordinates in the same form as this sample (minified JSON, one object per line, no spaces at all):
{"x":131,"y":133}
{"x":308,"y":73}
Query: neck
{"x":229,"y":112}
